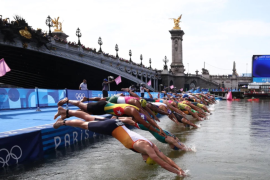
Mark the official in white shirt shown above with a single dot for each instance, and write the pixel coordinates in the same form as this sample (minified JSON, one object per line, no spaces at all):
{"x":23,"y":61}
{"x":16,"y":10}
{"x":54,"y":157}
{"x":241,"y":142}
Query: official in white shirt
{"x":83,"y":85}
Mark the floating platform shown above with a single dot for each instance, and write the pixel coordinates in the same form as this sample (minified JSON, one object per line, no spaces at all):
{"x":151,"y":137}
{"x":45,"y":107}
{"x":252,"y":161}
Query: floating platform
{"x":26,"y":134}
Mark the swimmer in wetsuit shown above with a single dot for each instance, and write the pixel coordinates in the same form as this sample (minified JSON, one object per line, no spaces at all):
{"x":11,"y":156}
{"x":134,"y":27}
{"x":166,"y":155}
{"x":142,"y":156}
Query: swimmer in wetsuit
{"x":189,"y":109}
{"x":128,"y":138}
{"x":172,"y":140}
{"x":171,"y":105}
{"x":120,"y":99}
{"x":183,"y":120}
{"x":201,"y":113}
{"x":102,"y":107}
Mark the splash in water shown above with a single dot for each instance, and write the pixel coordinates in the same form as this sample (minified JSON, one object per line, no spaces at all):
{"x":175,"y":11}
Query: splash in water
{"x":192,"y":148}
{"x":186,"y":173}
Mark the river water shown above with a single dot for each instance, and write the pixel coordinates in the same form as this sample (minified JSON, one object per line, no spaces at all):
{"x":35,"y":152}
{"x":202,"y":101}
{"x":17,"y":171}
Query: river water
{"x":234,"y":143}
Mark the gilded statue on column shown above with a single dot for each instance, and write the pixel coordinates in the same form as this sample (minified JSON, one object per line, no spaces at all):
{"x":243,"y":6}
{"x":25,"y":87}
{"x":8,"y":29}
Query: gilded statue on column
{"x":57,"y":25}
{"x":176,"y":22}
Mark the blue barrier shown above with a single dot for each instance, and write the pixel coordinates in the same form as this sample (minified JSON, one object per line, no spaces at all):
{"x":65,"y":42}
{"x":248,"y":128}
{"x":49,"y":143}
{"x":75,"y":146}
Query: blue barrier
{"x":77,"y":94}
{"x":50,"y":97}
{"x":19,"y":148}
{"x":18,"y":98}
{"x":64,"y":136}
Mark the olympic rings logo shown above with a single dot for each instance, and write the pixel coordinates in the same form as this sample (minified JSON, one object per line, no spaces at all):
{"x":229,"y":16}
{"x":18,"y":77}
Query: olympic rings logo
{"x":10,"y":154}
{"x":79,"y":95}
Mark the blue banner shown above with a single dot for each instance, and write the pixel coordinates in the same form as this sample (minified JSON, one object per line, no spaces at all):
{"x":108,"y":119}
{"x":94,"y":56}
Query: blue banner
{"x":18,"y":149}
{"x":95,"y":94}
{"x":77,"y":94}
{"x":64,"y":136}
{"x":50,"y":97}
{"x":17,"y":98}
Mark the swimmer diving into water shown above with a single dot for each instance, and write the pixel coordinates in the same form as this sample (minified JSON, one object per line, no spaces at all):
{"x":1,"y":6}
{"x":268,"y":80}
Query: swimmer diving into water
{"x":103,"y":107}
{"x":128,"y":138}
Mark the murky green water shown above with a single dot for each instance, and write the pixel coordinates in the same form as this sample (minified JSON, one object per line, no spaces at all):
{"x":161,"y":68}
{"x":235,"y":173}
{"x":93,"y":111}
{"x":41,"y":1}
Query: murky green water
{"x":233,"y":144}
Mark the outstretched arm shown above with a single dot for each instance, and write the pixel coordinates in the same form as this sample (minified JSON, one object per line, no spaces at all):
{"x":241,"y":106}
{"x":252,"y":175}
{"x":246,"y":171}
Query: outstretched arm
{"x":146,"y":149}
{"x":166,"y":159}
{"x":109,"y":82}
{"x":136,"y":116}
{"x":151,"y":113}
{"x":150,"y":95}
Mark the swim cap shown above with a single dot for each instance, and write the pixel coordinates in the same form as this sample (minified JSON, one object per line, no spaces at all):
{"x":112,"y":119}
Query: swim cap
{"x":150,"y":161}
{"x":143,"y":102}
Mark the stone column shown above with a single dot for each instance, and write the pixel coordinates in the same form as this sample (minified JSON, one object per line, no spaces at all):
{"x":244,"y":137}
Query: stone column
{"x":177,"y":66}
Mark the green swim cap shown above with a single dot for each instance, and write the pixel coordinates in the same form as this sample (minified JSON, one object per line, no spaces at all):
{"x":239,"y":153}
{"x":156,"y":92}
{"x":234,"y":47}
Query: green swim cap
{"x":143,"y":102}
{"x":150,"y":161}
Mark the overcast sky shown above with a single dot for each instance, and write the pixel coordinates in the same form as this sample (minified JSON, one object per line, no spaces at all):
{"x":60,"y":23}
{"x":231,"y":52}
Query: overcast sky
{"x":217,"y":32}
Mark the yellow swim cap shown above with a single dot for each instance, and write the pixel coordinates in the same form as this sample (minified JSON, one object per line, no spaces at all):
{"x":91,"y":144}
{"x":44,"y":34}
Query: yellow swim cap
{"x":150,"y":161}
{"x":143,"y":102}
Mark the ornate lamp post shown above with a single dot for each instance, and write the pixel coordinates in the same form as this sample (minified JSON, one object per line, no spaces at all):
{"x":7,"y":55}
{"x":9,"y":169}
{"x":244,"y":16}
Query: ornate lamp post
{"x":116,"y":49}
{"x":141,"y":59}
{"x":100,"y":43}
{"x":130,"y":54}
{"x":50,"y":24}
{"x":79,"y":34}
{"x":150,"y":63}
{"x":165,"y":60}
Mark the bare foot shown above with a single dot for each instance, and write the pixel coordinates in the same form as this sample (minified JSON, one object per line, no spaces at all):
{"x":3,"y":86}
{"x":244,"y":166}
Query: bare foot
{"x":58,"y":123}
{"x":63,"y":116}
{"x":125,"y":89}
{"x":84,"y":99}
{"x":62,"y":102}
{"x":61,"y":111}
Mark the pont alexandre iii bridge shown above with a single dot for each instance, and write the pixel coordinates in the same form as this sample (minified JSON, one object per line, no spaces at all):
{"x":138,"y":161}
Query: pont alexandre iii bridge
{"x":134,"y":73}
{"x":49,"y":61}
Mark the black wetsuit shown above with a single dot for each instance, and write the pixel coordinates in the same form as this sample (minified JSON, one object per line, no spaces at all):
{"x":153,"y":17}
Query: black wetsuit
{"x":178,"y":117}
{"x":118,"y":130}
{"x":96,"y":108}
{"x":104,"y":126}
{"x":194,"y":103}
{"x":149,"y":99}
